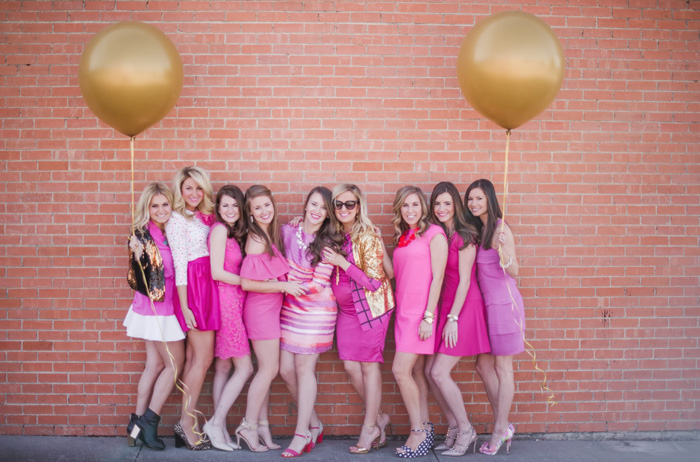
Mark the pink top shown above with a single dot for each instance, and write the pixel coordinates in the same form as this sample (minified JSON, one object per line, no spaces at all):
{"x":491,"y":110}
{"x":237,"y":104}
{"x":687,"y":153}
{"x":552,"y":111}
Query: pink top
{"x":233,"y":256}
{"x":262,"y":267}
{"x":188,"y":239}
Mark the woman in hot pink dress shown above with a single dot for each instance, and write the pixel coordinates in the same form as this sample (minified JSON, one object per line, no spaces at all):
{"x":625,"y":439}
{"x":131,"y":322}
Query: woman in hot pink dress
{"x":264,"y":278}
{"x":154,"y":322}
{"x":419,"y":264}
{"x":497,"y":266}
{"x":231,"y":349}
{"x":365,"y":301}
{"x":461,"y":322}
{"x":188,"y":233}
{"x":308,"y":321}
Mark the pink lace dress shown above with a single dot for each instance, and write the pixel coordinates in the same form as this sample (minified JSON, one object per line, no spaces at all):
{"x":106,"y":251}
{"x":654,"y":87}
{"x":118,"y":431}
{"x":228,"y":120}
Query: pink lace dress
{"x":231,"y":338}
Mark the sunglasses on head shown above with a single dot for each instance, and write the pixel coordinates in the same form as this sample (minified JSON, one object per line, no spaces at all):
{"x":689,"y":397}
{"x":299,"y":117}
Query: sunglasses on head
{"x":350,"y":205}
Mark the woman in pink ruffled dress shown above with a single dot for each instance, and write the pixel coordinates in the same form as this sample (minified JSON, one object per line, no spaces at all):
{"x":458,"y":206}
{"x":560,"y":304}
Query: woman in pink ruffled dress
{"x":264,"y":278}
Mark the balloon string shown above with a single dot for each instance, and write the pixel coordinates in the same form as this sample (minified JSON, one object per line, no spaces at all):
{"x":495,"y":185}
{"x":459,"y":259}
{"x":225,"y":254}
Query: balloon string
{"x":179,"y":384}
{"x":517,"y":317}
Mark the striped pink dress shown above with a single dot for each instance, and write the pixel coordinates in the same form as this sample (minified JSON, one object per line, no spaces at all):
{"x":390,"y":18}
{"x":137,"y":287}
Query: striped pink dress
{"x":308,"y":321}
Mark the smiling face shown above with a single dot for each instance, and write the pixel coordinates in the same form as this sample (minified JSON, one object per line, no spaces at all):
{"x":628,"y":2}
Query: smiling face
{"x":160,"y":210}
{"x":411,"y":210}
{"x":477,"y":203}
{"x":192,"y":193}
{"x":262,"y":210}
{"x":346,"y":217}
{"x":444,"y":209}
{"x":229,"y":209}
{"x":316,"y":211}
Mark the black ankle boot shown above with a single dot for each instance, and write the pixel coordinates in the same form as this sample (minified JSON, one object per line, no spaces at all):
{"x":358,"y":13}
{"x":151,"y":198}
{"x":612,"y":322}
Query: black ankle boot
{"x":148,"y":426}
{"x":130,"y":428}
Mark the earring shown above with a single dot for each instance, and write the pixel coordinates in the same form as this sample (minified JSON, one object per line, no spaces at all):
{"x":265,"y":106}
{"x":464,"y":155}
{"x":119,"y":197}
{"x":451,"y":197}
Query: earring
{"x":251,"y":218}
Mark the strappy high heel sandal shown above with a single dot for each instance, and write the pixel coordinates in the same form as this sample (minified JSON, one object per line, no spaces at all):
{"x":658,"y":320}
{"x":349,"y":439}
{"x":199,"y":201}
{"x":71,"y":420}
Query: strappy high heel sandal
{"x":421,"y":450}
{"x":507,"y":438}
{"x":375,"y":442}
{"x":290,"y":453}
{"x":450,"y":437}
{"x":264,"y":432}
{"x":318,"y":437}
{"x":240,"y":436}
{"x":461,"y":448}
{"x":382,"y":443}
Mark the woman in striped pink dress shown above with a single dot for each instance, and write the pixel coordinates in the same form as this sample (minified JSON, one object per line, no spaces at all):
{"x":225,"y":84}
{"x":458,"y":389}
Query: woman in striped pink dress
{"x":308,"y":321}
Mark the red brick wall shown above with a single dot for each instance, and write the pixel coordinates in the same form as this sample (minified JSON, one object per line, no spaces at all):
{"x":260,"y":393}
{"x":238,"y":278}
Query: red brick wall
{"x":604,"y":203}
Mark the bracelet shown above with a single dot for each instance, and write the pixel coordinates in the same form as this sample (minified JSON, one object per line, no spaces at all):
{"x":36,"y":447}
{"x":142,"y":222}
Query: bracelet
{"x":510,"y":262}
{"x":428,"y":314}
{"x":452,"y":317}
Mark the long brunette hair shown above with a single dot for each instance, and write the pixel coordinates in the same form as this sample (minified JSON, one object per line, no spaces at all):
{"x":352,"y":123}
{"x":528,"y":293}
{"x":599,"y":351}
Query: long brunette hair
{"x":463,"y":228}
{"x":328,"y":234}
{"x":273,"y":230}
{"x":239,"y":229}
{"x":494,"y":211}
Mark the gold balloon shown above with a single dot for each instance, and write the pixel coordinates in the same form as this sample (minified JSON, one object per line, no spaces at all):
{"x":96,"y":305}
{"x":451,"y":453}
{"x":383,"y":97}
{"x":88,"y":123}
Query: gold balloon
{"x":510,"y":67}
{"x":130,"y":75}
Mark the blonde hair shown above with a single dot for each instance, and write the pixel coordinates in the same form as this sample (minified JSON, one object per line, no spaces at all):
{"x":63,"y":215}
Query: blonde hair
{"x":399,"y":225}
{"x":363,"y":225}
{"x":199,"y":176}
{"x":142,"y":215}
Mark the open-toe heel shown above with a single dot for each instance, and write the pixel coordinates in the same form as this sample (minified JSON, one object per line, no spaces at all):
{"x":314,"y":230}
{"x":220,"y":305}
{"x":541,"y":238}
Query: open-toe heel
{"x":240,"y":436}
{"x":290,"y":453}
{"x":421,"y":450}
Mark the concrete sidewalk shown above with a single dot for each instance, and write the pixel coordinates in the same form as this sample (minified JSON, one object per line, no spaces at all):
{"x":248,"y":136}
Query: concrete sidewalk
{"x":86,"y":449}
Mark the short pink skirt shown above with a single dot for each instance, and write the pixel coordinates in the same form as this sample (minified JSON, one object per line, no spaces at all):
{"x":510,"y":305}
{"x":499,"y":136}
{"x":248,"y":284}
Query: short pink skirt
{"x":202,"y":296}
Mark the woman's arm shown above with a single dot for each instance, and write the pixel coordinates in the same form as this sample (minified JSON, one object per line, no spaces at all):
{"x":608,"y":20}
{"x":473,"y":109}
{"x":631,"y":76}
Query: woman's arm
{"x":176,"y":231}
{"x":217,"y":243}
{"x":438,"y":261}
{"x":320,"y":279}
{"x":509,"y":260}
{"x":255,"y":246}
{"x":356,"y":274}
{"x":466,"y":261}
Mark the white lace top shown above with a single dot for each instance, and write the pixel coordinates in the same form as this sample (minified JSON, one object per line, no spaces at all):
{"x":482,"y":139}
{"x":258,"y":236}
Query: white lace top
{"x":188,"y":241}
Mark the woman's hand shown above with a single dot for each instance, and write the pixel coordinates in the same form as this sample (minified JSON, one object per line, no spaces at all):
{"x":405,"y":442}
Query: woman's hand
{"x":425,"y":330}
{"x":334,"y":258}
{"x":501,"y":238}
{"x":294,"y":288}
{"x":189,"y":318}
{"x":450,"y":334}
{"x":136,"y":247}
{"x":295,"y":222}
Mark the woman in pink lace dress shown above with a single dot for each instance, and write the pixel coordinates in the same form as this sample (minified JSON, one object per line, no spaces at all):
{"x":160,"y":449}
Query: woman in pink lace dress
{"x":231,"y":349}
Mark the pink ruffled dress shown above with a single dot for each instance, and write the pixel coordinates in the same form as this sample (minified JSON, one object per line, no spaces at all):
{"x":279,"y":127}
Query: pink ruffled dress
{"x":261,"y":312}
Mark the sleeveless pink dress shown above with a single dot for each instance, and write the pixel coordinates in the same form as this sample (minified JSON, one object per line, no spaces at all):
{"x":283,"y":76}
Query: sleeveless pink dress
{"x":231,"y":338}
{"x":261,"y":312}
{"x":413,"y":277}
{"x":472,"y":335}
{"x":505,"y":319}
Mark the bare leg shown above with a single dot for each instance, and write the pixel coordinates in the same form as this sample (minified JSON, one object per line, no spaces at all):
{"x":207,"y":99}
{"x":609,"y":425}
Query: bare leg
{"x":232,"y":389}
{"x":372,"y":379}
{"x":306,"y":388}
{"x":437,"y":392}
{"x":449,"y":390}
{"x":506,"y":391}
{"x":152,"y":369}
{"x":199,"y":355}
{"x":166,"y":380}
{"x":267,"y":353}
{"x":486,"y":367}
{"x":423,"y":390}
{"x":222,"y":373}
{"x":403,"y":369}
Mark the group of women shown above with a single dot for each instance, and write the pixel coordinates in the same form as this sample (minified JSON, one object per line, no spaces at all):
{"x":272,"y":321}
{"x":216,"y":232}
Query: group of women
{"x":224,"y":273}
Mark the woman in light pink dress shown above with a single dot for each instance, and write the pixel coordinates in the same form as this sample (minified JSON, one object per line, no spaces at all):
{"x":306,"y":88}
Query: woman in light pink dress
{"x":231,"y":349}
{"x":461,"y":322}
{"x":497,"y":266}
{"x":264,"y":278}
{"x":419,"y":265}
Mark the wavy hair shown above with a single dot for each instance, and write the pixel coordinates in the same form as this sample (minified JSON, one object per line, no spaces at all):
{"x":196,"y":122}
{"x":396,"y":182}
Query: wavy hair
{"x":327,"y":235}
{"x":239,"y":229}
{"x":460,"y":225}
{"x":142,"y":215}
{"x":397,"y":221}
{"x":274,"y":231}
{"x":201,"y":177}
{"x":488,"y":229}
{"x":363,"y":225}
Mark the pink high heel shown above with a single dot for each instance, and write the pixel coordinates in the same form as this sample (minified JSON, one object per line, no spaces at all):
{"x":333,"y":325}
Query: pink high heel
{"x":291,"y":453}
{"x":507,"y":438}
